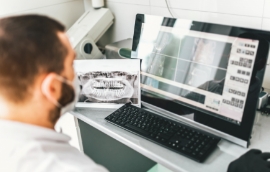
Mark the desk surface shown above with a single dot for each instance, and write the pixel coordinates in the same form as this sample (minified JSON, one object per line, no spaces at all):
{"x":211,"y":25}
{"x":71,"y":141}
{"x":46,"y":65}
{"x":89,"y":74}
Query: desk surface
{"x":220,"y":159}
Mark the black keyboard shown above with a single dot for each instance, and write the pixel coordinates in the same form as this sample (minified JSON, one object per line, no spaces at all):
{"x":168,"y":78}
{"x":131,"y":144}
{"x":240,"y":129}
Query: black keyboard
{"x":190,"y":142}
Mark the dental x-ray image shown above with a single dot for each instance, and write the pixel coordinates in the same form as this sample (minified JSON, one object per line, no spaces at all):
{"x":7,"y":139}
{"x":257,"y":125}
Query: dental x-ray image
{"x":109,"y":87}
{"x":112,"y":82}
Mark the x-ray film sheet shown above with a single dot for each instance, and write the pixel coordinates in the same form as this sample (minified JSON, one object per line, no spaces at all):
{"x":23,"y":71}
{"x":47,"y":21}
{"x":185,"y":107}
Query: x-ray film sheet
{"x":108,"y":83}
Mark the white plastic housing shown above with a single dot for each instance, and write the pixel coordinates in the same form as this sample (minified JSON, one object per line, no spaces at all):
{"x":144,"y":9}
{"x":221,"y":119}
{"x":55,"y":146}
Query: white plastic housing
{"x":87,"y":30}
{"x":97,"y":3}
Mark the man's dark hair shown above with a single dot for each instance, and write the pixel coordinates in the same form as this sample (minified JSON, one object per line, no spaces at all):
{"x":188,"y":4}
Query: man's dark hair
{"x":29,"y":46}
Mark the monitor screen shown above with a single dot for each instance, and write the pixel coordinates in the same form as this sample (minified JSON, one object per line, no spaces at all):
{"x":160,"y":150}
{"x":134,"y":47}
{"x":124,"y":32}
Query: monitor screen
{"x":192,"y":70}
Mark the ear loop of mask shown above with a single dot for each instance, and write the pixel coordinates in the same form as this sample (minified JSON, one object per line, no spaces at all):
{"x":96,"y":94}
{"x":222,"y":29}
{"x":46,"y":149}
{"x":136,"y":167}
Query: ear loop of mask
{"x":62,"y":79}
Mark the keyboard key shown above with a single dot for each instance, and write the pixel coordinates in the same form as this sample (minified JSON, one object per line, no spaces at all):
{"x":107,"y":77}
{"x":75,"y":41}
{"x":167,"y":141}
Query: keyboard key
{"x":132,"y":127}
{"x":194,"y":153}
{"x":163,"y":139}
{"x":187,"y":150}
{"x":207,"y":147}
{"x":164,"y":135}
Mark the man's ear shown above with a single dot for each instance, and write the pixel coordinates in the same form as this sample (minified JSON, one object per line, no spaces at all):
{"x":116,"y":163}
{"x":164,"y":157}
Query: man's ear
{"x":51,"y":88}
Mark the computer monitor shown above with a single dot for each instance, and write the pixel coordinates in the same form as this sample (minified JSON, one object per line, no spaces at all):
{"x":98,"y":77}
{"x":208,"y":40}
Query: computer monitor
{"x":203,"y":74}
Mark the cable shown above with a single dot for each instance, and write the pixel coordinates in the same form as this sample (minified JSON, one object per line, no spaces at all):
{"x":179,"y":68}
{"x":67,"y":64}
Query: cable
{"x":169,"y":8}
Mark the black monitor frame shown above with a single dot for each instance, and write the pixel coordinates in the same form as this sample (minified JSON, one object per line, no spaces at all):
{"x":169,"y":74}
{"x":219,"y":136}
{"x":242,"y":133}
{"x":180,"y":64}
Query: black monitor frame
{"x":242,"y":131}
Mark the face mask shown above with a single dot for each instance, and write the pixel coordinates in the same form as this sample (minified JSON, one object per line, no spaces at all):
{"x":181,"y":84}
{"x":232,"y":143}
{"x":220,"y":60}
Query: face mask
{"x":68,"y":106}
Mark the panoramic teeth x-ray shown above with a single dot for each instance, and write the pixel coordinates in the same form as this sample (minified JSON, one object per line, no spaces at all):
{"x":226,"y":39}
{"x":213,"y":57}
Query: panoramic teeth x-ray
{"x":111,"y":82}
{"x":109,"y":87}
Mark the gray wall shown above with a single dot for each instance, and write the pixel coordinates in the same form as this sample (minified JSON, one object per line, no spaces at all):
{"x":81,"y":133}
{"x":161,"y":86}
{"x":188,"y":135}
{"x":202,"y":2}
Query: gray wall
{"x":66,"y":11}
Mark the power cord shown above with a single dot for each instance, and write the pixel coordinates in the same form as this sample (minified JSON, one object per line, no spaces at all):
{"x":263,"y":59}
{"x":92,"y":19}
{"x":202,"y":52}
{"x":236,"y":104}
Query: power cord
{"x":169,"y":8}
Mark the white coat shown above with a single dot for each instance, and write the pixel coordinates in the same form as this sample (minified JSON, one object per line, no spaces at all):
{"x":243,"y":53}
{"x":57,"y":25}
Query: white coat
{"x":29,"y":148}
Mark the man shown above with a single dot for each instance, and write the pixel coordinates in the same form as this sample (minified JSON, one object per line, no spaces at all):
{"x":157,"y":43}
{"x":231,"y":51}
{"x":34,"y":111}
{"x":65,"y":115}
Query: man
{"x":36,"y":84}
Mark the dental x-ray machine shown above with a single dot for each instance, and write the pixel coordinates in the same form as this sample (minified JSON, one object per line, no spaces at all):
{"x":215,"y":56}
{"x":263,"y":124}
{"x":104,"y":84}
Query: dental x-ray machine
{"x":87,"y":30}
